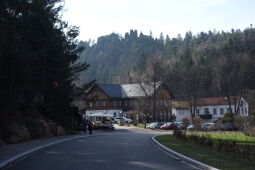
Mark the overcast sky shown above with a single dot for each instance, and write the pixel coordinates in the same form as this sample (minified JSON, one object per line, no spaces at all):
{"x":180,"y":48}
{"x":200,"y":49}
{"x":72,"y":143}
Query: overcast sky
{"x":101,"y":17}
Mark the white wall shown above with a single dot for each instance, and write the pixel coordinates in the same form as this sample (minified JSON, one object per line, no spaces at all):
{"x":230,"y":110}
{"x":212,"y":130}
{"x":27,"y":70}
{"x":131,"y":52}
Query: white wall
{"x":180,"y":114}
{"x":224,"y":107}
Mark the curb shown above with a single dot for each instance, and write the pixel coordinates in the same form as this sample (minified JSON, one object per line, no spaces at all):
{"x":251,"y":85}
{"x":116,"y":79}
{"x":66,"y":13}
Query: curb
{"x":12,"y":160}
{"x":185,"y":158}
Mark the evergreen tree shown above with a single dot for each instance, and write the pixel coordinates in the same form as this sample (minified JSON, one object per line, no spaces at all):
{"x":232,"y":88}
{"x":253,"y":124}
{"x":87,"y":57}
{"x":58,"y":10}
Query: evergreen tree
{"x":37,"y":58}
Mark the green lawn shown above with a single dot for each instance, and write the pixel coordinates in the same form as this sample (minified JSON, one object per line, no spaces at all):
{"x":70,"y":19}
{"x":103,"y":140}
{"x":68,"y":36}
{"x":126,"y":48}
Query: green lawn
{"x":240,"y":138}
{"x":207,"y":156}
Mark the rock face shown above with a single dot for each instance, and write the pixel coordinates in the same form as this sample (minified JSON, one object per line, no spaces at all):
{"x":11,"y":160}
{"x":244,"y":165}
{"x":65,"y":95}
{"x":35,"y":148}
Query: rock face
{"x":36,"y":128}
{"x":27,"y":129}
{"x":15,"y":132}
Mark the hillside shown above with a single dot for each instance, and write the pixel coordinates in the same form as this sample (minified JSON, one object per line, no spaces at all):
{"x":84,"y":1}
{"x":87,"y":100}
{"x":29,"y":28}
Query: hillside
{"x":115,"y":59}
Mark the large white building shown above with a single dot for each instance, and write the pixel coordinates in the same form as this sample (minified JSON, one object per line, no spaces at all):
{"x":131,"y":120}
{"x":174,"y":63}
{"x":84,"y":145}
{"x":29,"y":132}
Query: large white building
{"x":213,"y":108}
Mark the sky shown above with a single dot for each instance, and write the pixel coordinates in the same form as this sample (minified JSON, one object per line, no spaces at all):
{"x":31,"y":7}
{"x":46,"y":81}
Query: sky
{"x":102,"y":17}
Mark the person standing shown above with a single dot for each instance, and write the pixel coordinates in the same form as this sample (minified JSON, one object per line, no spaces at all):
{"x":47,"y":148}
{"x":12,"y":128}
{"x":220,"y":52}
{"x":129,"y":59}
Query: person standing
{"x":85,"y":126}
{"x":144,"y":121}
{"x":90,"y":127}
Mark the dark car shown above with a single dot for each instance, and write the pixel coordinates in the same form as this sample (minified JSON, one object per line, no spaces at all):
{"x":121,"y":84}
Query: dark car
{"x":226,"y":127}
{"x":180,"y":126}
{"x":169,"y":126}
{"x":209,"y":126}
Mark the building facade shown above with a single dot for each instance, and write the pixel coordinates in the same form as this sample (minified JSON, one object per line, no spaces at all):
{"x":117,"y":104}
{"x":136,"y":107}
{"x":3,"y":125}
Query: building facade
{"x":213,"y":108}
{"x":126,"y":99}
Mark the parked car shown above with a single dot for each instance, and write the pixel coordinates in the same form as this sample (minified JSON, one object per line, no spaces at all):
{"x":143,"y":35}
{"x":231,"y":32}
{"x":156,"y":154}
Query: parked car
{"x":169,"y":126}
{"x":156,"y":125}
{"x":193,"y":127}
{"x":208,"y":126}
{"x":180,"y":126}
{"x":126,"y":120}
{"x":226,"y":126}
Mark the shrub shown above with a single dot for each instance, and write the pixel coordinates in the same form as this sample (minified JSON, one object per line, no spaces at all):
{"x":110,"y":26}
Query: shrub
{"x":245,"y":124}
{"x":185,"y":122}
{"x":197,"y":121}
{"x":228,"y":117}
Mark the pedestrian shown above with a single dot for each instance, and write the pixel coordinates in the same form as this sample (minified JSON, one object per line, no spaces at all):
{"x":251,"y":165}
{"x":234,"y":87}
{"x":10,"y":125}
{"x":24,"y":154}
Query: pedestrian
{"x":85,"y":125}
{"x":90,"y":127}
{"x":144,"y":121}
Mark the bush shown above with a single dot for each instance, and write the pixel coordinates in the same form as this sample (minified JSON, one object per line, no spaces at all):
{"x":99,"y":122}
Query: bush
{"x":228,"y":117}
{"x":193,"y":138}
{"x":186,"y":122}
{"x":197,"y":121}
{"x":245,"y":124}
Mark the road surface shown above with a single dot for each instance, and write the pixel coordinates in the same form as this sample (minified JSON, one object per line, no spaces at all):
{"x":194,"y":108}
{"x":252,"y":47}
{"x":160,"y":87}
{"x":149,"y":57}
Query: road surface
{"x":123,"y":149}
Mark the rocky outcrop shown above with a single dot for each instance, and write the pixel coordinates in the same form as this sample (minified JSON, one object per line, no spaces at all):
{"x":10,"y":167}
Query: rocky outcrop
{"x":28,"y":129}
{"x":14,"y":132}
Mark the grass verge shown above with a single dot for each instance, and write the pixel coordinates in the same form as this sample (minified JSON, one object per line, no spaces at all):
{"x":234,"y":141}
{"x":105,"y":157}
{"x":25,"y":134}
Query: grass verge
{"x":210,"y":157}
{"x":240,"y":138}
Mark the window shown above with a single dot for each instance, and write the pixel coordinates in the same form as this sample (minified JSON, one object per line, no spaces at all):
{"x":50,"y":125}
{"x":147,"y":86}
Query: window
{"x":90,"y":104}
{"x":114,"y":103}
{"x":246,"y":111}
{"x":221,"y":111}
{"x":242,"y":111}
{"x":104,"y":103}
{"x":198,"y":111}
{"x":206,"y":110}
{"x":214,"y":111}
{"x":97,"y":103}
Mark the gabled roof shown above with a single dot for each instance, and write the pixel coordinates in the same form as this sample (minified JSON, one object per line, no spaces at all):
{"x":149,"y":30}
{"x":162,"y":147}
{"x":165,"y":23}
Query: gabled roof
{"x":217,"y":100}
{"x":112,"y":90}
{"x":138,"y":90}
{"x":128,"y":90}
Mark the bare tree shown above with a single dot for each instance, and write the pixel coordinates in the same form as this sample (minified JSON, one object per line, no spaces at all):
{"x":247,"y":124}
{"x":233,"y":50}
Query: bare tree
{"x":231,"y":79}
{"x":192,"y":86}
{"x":150,"y":80}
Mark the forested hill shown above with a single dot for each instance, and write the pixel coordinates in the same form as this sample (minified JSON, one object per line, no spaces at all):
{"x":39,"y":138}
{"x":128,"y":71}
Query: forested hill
{"x":114,"y":58}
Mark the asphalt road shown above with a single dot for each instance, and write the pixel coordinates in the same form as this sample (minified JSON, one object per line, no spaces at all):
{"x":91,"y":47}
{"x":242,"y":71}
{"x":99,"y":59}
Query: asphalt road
{"x":125,"y":149}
